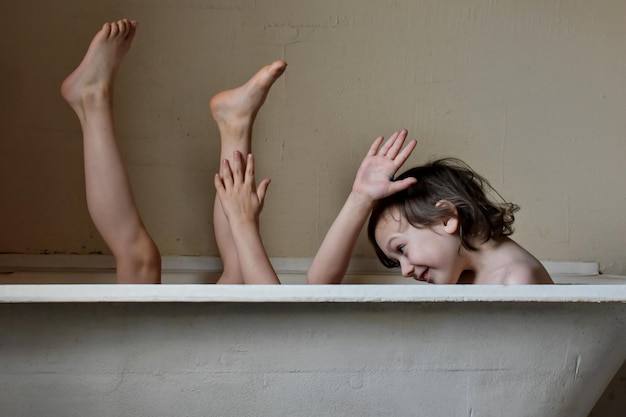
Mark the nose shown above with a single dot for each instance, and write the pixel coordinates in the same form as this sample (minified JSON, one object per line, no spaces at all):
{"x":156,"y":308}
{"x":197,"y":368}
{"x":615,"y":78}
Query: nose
{"x":407,"y":269}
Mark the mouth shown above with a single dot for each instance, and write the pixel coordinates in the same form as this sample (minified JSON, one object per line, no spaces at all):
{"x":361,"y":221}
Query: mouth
{"x":424,"y":276}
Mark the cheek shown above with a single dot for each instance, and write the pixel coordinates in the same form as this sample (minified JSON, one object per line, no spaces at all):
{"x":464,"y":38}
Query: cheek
{"x":441,"y":250}
{"x":453,"y":245}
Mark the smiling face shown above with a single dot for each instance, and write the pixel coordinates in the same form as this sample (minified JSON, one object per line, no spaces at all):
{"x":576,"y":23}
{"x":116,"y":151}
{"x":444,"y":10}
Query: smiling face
{"x":429,"y":253}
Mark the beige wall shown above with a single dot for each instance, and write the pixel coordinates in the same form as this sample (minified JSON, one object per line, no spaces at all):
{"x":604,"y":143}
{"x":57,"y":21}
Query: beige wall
{"x":530,"y":93}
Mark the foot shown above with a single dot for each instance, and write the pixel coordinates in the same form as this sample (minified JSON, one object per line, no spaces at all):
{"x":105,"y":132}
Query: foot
{"x":93,"y":78}
{"x":235,"y":110}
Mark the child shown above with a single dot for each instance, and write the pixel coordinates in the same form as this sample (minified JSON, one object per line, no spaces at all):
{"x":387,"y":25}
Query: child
{"x":444,"y":229}
{"x":436,"y":222}
{"x":88,"y":90}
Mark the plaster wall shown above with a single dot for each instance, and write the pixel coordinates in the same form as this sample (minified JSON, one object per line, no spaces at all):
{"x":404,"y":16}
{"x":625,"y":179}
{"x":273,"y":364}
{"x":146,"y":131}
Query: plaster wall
{"x":530,"y":93}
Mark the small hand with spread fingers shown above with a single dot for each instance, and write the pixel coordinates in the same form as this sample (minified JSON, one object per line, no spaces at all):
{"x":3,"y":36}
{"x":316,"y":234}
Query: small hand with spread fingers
{"x":374,"y":179}
{"x":242,"y":200}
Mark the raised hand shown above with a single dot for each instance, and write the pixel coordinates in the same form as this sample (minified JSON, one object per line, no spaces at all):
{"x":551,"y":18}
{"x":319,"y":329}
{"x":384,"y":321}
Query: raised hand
{"x":374,"y":179}
{"x":240,"y":197}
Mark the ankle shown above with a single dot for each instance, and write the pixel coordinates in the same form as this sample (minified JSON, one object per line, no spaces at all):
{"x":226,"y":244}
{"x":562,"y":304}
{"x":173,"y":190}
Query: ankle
{"x":95,"y":96}
{"x":234,"y":131}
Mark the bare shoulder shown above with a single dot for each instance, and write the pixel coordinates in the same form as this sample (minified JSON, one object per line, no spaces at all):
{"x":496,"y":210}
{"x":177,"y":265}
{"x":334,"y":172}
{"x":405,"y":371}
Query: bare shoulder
{"x":507,"y":263}
{"x":527,"y":272}
{"x":520,"y":266}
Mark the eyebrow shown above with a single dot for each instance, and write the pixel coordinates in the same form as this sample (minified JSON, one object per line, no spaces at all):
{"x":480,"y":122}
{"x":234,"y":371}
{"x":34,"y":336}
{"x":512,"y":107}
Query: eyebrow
{"x":388,"y":243}
{"x":390,"y":248}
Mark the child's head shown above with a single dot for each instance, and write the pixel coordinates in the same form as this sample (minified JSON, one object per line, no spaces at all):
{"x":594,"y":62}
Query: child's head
{"x":446,"y":188}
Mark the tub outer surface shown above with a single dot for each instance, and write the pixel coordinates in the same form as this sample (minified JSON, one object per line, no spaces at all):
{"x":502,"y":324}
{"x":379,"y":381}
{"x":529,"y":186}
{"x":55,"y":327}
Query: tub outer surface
{"x":314,"y":358}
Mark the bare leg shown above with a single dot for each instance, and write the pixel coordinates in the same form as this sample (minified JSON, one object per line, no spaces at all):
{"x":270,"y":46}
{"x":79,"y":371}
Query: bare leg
{"x":89,"y":92}
{"x":235,"y":111}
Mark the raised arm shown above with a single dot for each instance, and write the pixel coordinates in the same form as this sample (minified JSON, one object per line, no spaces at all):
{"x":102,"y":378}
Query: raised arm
{"x":374,"y":180}
{"x":242,"y":203}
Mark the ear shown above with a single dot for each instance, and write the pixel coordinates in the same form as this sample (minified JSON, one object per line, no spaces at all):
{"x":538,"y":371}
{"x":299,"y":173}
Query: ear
{"x":451,"y":219}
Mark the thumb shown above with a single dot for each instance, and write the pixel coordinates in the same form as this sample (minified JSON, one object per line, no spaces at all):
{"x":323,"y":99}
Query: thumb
{"x":396,"y":186}
{"x":262,"y":189}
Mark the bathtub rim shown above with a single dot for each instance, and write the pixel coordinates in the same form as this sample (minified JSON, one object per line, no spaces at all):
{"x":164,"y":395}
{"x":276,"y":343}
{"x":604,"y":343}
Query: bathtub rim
{"x":362,"y":293}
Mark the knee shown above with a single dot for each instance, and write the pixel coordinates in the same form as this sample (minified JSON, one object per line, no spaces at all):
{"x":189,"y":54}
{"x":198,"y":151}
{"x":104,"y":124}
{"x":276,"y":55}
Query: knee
{"x":140,"y":263}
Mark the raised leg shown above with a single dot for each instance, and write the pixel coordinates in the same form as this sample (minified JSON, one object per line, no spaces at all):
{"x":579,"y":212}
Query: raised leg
{"x":89,"y":92}
{"x":235,"y":111}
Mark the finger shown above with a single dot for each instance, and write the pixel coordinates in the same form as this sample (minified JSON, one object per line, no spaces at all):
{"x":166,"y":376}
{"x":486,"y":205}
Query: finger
{"x":249,"y":176}
{"x":392,"y":139}
{"x":262,"y":190}
{"x":225,"y":167}
{"x":227,"y":174}
{"x":397,"y":144}
{"x":406,"y":152}
{"x":396,"y":186}
{"x":237,"y":167}
{"x":375,"y":145}
{"x":219,"y":185}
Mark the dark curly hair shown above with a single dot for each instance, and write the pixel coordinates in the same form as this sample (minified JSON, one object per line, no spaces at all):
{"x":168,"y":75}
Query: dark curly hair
{"x":450,"y":179}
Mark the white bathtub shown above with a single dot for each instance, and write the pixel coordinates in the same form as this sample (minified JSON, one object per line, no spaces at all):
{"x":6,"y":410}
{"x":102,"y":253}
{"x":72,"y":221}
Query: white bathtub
{"x":295,"y":350}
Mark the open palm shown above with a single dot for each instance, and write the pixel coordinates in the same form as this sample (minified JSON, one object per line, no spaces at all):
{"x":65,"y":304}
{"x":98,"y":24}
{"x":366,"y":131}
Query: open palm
{"x":374,"y":178}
